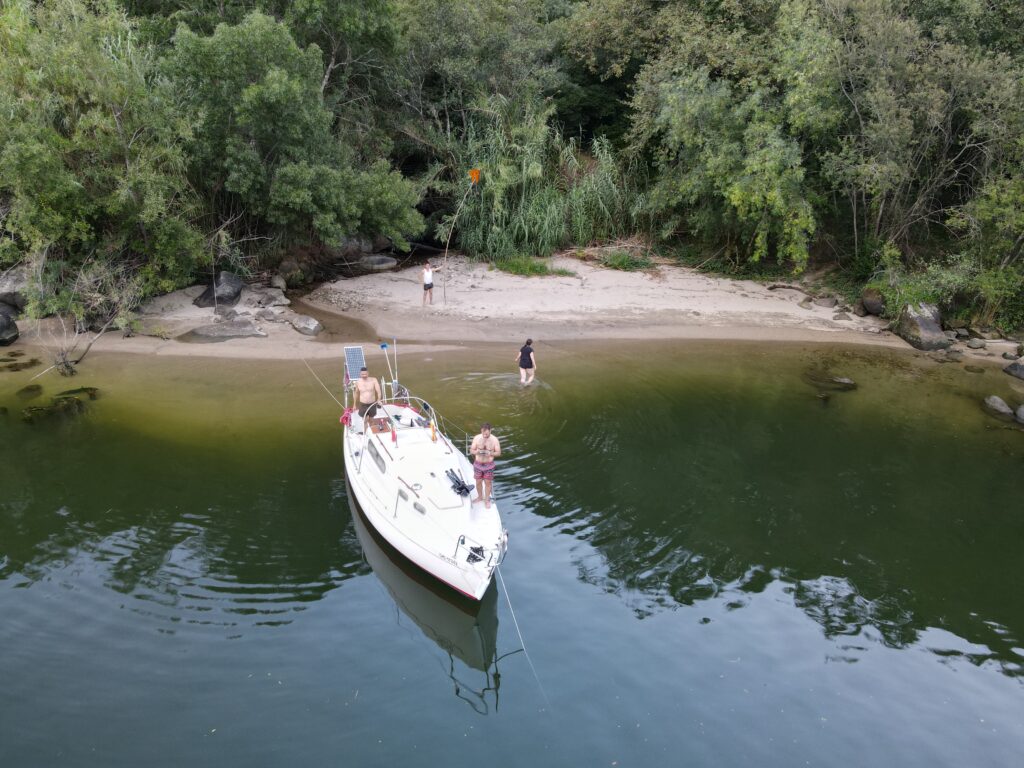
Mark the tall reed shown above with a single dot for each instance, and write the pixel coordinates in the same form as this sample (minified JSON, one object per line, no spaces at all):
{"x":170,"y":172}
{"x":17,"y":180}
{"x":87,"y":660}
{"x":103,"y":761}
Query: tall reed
{"x":538,"y":192}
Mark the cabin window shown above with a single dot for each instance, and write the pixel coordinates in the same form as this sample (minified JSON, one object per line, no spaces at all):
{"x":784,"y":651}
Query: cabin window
{"x":372,"y":450}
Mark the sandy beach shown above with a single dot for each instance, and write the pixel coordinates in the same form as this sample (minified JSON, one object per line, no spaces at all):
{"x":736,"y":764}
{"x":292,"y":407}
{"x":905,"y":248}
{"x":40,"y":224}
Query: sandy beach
{"x":475,"y":303}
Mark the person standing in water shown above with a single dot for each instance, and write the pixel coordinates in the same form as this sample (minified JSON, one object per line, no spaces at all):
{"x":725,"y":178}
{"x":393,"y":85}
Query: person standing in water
{"x":527,"y":363}
{"x":428,"y":283}
{"x":485,"y":449}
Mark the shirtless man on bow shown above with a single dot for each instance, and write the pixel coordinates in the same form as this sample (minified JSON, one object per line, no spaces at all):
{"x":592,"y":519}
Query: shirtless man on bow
{"x":367,"y":391}
{"x":485,"y":448}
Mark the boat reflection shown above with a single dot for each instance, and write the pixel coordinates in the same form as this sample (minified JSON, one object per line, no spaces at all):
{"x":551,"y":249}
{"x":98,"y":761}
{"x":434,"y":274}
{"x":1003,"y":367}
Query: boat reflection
{"x":464,"y":629}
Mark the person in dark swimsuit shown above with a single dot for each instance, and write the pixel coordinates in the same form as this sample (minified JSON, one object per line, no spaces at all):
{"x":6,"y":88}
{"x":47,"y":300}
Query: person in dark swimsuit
{"x":527,"y":363}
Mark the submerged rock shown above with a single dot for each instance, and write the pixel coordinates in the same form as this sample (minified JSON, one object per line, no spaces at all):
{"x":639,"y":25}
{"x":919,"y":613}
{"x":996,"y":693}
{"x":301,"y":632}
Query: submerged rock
{"x":920,"y":326}
{"x":974,"y":369}
{"x":826,"y":301}
{"x":824,"y":380}
{"x":22,"y":366}
{"x":59,"y":407}
{"x":30,"y":392}
{"x":91,"y":392}
{"x":947,"y":356}
{"x":1020,"y":414}
{"x":1016,"y":368}
{"x":996,"y":406}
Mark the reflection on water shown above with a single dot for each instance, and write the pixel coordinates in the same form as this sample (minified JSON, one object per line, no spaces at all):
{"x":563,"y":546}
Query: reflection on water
{"x":462,"y":628}
{"x":184,"y":534}
{"x":889,"y":507}
{"x":698,"y":540}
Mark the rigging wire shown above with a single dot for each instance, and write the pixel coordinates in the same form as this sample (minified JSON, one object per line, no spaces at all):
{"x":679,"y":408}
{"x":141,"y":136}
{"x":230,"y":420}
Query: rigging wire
{"x":522,"y":642}
{"x":323,"y":385}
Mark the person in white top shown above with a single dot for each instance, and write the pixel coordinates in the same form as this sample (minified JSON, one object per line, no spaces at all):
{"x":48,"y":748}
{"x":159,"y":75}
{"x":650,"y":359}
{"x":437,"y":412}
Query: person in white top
{"x":428,"y":283}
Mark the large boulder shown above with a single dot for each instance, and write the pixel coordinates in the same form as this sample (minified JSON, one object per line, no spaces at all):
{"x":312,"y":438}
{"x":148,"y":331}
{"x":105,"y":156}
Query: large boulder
{"x":8,"y":330}
{"x":920,"y":325}
{"x":1016,"y":368}
{"x":9,"y":310}
{"x":873,"y":301}
{"x":14,"y":287}
{"x":306,"y":325}
{"x":354,"y":248}
{"x":254,"y":299}
{"x":226,"y":289}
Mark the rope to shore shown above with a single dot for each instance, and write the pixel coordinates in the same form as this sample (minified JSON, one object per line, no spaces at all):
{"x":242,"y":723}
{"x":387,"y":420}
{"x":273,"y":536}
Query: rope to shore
{"x":323,"y":385}
{"x":521,"y":641}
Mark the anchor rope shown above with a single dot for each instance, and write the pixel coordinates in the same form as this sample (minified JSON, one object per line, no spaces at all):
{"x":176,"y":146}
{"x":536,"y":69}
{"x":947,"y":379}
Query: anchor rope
{"x":521,"y":641}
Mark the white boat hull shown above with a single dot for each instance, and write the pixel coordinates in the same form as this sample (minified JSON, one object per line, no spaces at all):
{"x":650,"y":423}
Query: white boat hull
{"x":396,"y":467}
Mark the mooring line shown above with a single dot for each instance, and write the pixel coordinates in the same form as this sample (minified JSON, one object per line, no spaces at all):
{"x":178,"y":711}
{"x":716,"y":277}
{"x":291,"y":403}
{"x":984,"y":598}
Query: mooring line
{"x":521,"y":641}
{"x":323,"y":385}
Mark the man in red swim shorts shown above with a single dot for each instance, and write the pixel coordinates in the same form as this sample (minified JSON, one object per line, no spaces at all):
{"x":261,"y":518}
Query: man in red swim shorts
{"x":485,"y":449}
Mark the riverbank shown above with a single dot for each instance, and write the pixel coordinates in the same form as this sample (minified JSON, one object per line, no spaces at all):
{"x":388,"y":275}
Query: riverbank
{"x":475,"y":303}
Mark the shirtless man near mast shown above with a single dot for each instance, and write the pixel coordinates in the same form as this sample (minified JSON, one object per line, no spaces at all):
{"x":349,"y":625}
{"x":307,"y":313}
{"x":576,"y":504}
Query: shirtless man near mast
{"x":367,"y":391}
{"x":485,"y":449}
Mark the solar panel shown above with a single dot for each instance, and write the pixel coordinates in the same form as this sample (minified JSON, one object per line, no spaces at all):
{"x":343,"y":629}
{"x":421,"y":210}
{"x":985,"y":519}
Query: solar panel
{"x":354,"y":360}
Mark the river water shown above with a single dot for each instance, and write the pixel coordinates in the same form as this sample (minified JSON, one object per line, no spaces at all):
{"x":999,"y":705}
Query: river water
{"x":713,"y":561}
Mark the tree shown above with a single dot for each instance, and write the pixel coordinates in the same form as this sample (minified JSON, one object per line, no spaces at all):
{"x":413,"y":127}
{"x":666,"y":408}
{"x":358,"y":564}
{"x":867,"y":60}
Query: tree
{"x":263,"y":152}
{"x":91,"y":158}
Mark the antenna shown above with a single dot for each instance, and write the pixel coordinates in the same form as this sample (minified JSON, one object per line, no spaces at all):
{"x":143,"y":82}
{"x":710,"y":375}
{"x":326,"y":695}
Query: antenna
{"x":384,"y":346}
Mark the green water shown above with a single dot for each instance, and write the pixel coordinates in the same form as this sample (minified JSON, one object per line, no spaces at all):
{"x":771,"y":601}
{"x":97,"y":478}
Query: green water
{"x":709,"y":563}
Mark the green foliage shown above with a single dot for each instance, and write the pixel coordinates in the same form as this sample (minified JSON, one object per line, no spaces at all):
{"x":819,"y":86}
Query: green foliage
{"x":625,"y":260}
{"x":92,"y":160}
{"x":726,"y":109}
{"x":761,"y":134}
{"x":530,"y":266}
{"x":538,"y":193}
{"x":264,"y":152}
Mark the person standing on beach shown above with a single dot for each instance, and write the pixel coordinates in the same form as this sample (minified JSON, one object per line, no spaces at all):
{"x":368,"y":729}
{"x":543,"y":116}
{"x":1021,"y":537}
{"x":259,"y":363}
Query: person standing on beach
{"x":367,"y":393}
{"x":527,"y":363}
{"x":428,"y":283}
{"x":485,"y":449}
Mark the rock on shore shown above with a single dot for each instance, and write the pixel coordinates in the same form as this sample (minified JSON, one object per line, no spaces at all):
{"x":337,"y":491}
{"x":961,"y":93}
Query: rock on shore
{"x":920,"y":325}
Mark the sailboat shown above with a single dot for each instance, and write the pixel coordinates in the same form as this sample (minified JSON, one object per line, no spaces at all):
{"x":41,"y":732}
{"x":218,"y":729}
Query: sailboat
{"x":414,"y":485}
